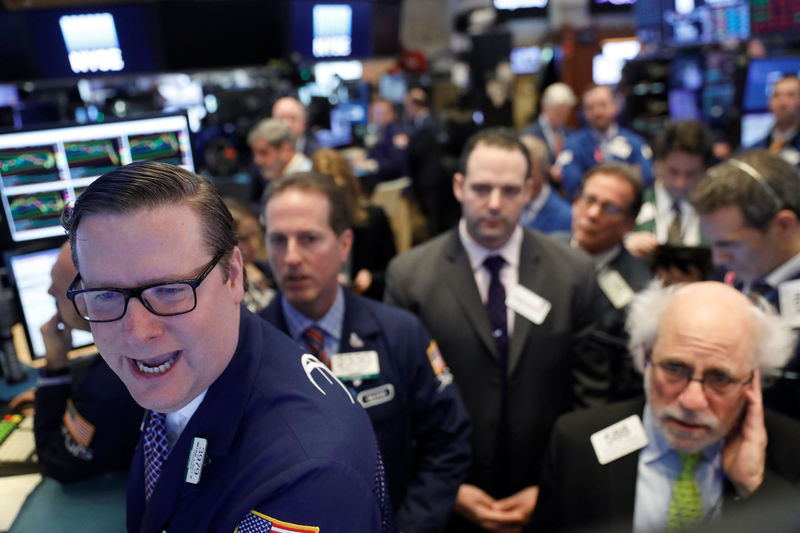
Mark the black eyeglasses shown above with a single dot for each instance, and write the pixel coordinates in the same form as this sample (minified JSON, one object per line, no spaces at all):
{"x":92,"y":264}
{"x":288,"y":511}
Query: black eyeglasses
{"x":167,"y":298}
{"x":586,"y":201}
{"x":714,"y":382}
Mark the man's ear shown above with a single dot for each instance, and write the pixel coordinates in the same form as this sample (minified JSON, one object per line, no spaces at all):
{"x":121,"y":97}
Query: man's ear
{"x":345,"y":244}
{"x":786,"y":221}
{"x":236,"y":275}
{"x":458,"y":186}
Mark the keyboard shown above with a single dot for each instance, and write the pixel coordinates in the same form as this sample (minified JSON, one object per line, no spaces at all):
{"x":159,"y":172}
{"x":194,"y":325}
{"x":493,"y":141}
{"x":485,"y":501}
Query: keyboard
{"x":17,"y":445}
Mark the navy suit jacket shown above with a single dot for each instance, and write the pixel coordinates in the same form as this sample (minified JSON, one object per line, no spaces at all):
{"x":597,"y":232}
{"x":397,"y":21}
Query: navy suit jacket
{"x":284,"y":440}
{"x":419,"y":419}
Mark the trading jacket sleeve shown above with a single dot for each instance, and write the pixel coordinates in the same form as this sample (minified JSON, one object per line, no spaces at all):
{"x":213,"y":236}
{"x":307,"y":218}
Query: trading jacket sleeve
{"x":86,"y":429}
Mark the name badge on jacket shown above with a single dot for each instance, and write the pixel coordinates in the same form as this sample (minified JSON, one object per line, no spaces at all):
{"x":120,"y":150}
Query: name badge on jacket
{"x":350,"y":366}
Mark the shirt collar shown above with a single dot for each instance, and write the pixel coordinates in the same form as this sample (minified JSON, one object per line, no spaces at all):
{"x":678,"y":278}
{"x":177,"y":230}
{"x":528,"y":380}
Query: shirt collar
{"x":602,"y":259}
{"x":331,"y":323}
{"x":657,"y":446}
{"x":609,"y":134}
{"x":784,"y":272}
{"x":177,"y":420}
{"x":477,"y":254}
{"x":664,"y":201}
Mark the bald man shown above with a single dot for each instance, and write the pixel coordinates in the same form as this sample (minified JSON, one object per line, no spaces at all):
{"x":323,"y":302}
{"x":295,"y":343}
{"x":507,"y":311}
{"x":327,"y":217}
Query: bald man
{"x":699,"y":445}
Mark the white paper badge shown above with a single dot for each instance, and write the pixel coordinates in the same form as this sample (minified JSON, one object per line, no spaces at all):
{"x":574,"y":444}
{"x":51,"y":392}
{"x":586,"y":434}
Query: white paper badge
{"x":620,"y":147}
{"x":620,"y":439}
{"x":614,"y":286}
{"x":789,"y":295}
{"x":355,"y":365}
{"x":197,"y":457}
{"x":528,"y":304}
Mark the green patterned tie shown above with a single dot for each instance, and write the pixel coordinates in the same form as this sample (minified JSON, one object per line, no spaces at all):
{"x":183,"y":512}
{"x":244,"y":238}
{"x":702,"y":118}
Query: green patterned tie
{"x":686,"y":505}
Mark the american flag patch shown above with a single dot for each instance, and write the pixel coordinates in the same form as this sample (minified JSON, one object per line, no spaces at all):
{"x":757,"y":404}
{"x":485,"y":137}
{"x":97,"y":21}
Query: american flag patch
{"x":256,"y":522}
{"x":80,"y":429}
{"x":436,"y":359}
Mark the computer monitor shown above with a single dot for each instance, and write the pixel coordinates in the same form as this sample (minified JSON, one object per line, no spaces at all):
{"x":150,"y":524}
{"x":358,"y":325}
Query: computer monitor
{"x":761,"y":76}
{"x":30,"y":274}
{"x":756,"y":126}
{"x":42,"y":171}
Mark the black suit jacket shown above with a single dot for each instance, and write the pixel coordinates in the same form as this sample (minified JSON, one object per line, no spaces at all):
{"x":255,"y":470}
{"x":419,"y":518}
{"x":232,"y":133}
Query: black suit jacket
{"x":626,"y":381}
{"x":577,"y":493}
{"x":551,"y":366}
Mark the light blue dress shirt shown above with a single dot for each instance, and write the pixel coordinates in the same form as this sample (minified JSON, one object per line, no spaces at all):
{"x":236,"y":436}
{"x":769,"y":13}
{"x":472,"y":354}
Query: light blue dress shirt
{"x":659,"y":466}
{"x":330,"y":324}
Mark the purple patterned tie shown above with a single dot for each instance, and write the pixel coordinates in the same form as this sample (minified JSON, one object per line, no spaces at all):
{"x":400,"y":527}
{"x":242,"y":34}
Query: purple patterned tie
{"x":155,"y":451}
{"x":315,"y":339}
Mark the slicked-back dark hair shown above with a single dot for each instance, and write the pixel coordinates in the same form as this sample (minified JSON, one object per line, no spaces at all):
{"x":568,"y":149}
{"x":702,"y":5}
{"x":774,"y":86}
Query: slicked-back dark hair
{"x":150,"y":185}
{"x":498,"y":137}
{"x":339,"y":216}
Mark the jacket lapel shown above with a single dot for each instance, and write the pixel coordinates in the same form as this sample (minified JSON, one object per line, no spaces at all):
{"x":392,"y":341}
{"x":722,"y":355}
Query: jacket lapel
{"x":531,"y":277}
{"x":461,"y":282}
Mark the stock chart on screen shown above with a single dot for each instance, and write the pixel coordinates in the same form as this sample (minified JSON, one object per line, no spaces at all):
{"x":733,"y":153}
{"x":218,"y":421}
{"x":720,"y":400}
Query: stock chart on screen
{"x":44,"y":171}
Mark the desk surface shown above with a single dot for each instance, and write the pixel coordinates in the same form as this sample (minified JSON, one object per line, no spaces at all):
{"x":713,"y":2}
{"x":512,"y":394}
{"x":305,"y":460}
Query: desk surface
{"x":95,"y":505}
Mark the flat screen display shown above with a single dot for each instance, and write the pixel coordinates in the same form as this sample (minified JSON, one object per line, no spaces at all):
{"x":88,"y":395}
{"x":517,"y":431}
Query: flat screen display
{"x":43,"y":171}
{"x":762,"y":75}
{"x":31,"y":276}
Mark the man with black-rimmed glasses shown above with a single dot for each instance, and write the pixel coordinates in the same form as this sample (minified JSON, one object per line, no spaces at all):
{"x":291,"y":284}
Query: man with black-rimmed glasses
{"x":699,"y":447}
{"x":243,"y":430}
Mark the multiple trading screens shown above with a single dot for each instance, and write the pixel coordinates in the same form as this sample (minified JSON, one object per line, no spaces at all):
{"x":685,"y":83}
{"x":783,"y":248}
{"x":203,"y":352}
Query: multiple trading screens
{"x":43,"y":171}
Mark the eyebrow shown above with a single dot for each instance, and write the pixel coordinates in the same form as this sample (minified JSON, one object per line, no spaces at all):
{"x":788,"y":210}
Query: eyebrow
{"x":153,"y":281}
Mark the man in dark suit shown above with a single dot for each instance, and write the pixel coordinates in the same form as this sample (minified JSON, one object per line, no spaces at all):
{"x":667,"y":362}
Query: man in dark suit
{"x":700,"y":445}
{"x":382,"y":354}
{"x":749,"y":208}
{"x":784,"y":103}
{"x":431,"y":188}
{"x":604,"y":211}
{"x":292,"y":112}
{"x":517,"y":367}
{"x":242,"y":431}
{"x":552,"y":124}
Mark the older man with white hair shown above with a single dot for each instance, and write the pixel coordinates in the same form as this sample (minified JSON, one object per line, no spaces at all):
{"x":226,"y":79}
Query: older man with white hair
{"x":551,"y":125}
{"x":699,"y":446}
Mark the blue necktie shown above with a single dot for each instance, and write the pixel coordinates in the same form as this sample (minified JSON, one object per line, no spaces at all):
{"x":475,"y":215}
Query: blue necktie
{"x":155,"y":451}
{"x":496,"y":308}
{"x":496,"y":305}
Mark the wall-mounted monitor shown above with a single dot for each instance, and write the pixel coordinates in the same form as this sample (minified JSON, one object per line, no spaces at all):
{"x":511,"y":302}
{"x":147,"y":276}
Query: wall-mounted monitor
{"x":698,"y":22}
{"x":526,"y":59}
{"x":327,"y":30}
{"x":769,"y":18}
{"x":762,"y":75}
{"x":43,"y":171}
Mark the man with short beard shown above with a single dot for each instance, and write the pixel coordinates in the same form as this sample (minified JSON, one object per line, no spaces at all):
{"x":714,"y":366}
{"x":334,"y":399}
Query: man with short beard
{"x":696,"y":448}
